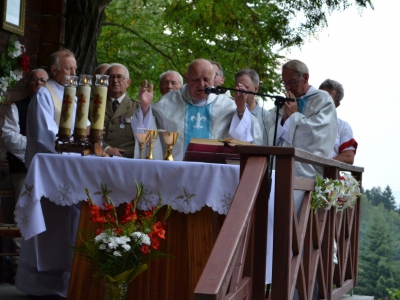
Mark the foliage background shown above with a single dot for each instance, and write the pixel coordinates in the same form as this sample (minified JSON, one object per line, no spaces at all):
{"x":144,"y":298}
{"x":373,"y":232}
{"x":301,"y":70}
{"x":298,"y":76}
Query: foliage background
{"x":379,"y":251}
{"x":153,"y":36}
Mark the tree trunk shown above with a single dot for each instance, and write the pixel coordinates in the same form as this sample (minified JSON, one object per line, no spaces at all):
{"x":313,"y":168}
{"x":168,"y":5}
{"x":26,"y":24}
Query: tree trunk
{"x":84,"y":20}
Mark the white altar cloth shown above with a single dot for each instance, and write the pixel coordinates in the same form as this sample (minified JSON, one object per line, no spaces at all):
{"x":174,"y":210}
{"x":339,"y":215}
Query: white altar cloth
{"x":186,"y":186}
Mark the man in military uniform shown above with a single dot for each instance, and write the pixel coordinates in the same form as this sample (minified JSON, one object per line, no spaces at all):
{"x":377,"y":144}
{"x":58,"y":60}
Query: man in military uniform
{"x":118,"y":137}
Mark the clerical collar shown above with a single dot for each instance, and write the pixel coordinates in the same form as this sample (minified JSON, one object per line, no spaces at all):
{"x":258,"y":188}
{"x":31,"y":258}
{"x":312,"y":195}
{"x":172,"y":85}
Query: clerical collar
{"x":199,"y":102}
{"x":119,"y":99}
{"x":59,"y":87}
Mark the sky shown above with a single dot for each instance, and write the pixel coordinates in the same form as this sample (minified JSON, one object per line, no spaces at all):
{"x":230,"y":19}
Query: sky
{"x":361,"y":51}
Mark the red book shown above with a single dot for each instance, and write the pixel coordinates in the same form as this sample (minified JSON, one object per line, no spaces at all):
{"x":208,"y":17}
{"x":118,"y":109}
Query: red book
{"x":213,"y":151}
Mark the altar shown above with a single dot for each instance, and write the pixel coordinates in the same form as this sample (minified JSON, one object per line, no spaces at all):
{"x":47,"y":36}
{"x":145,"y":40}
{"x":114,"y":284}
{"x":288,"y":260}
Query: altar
{"x":199,"y":193}
{"x":186,"y":186}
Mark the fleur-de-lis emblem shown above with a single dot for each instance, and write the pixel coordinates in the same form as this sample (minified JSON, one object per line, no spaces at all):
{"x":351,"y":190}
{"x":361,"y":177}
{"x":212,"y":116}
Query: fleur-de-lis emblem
{"x":198,"y":120}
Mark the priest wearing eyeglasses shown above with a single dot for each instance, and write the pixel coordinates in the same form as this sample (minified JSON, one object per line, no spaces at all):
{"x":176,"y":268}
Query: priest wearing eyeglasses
{"x":309,"y":123}
{"x":118,"y":138}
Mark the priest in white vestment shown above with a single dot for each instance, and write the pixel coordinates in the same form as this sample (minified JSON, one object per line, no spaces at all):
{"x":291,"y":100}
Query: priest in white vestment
{"x":248,"y":79}
{"x":194,"y":114}
{"x":309,"y":123}
{"x":46,"y":259}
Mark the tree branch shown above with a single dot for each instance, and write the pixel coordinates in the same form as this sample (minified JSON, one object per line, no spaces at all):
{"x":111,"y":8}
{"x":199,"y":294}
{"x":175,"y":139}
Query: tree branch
{"x":169,"y":58}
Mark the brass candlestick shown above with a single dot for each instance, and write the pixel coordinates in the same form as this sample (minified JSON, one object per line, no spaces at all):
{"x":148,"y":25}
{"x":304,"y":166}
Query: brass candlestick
{"x":153,"y":137}
{"x":170,"y":140}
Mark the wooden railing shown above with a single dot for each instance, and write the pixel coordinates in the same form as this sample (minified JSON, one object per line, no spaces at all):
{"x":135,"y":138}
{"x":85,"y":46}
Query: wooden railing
{"x":303,"y":246}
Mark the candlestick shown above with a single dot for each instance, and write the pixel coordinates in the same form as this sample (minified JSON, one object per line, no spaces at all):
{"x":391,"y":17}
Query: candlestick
{"x":67,"y":109}
{"x":99,"y":107}
{"x":82,"y":109}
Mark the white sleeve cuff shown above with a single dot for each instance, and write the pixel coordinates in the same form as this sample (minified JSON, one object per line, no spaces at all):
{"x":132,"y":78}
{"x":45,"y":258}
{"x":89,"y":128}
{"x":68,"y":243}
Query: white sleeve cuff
{"x":241,"y":129}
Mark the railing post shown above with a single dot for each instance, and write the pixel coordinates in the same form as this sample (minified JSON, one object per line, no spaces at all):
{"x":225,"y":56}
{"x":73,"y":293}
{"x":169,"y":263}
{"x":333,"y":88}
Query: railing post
{"x":283,"y":219}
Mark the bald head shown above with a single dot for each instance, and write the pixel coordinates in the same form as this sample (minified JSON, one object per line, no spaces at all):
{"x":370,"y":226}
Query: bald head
{"x":200,"y":74}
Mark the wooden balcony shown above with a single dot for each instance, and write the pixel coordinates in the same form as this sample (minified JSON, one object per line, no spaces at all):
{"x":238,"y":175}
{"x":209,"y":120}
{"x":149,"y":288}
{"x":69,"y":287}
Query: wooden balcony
{"x":302,"y":246}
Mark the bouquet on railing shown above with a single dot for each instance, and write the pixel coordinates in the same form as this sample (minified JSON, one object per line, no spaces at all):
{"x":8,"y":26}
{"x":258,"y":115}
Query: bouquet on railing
{"x":122,"y":247}
{"x":13,"y":63}
{"x":340,"y":193}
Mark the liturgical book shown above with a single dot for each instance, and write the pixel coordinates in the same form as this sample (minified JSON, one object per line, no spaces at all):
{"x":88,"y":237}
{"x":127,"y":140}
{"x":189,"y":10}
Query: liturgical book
{"x":213,"y":151}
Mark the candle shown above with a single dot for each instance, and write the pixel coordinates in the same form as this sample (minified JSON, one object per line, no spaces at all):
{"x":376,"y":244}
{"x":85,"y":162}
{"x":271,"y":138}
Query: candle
{"x":82,"y":109}
{"x":99,"y":105}
{"x":67,"y":108}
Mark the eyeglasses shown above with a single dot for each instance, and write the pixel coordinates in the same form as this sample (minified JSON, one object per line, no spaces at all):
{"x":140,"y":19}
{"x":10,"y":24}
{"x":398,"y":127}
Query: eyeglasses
{"x":43,"y":80}
{"x":292,"y":81}
{"x":118,"y":77}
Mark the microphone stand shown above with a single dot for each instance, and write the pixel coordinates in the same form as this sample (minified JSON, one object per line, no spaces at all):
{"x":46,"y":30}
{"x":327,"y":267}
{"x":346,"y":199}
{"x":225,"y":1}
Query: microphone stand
{"x":279,"y":102}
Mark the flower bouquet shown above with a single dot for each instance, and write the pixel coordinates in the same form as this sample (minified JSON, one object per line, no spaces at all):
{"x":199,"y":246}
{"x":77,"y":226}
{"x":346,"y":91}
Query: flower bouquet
{"x":122,"y":246}
{"x":13,"y":63}
{"x":340,"y":193}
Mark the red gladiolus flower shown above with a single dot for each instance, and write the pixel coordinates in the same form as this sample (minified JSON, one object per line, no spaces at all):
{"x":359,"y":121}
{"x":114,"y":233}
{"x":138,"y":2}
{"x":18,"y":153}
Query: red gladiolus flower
{"x":108,"y":207}
{"x":99,"y":230}
{"x":159,"y":230}
{"x":155,"y":244}
{"x":129,"y":217}
{"x":100,"y":219}
{"x":145,"y":249}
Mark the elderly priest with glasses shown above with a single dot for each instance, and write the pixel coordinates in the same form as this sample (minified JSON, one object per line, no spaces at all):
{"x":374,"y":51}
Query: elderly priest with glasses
{"x":309,"y":123}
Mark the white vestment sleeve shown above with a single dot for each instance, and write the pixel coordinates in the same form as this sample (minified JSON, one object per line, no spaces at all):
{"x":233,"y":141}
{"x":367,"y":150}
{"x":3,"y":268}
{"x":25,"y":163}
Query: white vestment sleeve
{"x":41,"y":127}
{"x":283,"y":131}
{"x":242,"y":129}
{"x":13,"y":140}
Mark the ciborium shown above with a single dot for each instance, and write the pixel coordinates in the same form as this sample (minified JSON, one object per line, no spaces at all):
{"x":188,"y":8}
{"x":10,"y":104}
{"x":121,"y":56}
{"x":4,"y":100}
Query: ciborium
{"x":143,"y":136}
{"x":153,"y":133}
{"x":169,"y":138}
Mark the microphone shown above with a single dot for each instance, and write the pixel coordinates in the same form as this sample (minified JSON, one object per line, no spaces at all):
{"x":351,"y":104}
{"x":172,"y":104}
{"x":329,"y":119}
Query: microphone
{"x":210,"y":90}
{"x":284,"y":99}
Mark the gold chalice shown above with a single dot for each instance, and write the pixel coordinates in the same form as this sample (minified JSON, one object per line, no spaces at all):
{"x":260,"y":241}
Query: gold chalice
{"x":143,"y":136}
{"x":153,"y":136}
{"x":170,"y":140}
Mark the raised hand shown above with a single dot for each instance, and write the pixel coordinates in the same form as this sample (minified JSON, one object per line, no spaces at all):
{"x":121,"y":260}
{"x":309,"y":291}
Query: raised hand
{"x":290,"y":107}
{"x":240,"y":98}
{"x":145,"y":97}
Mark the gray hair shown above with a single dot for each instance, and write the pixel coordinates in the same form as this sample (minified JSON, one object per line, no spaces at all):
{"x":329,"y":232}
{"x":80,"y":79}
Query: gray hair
{"x":172,"y":71}
{"x":37,"y":70}
{"x":334,"y":86}
{"x":251,"y":73}
{"x":54,"y":59}
{"x":296,"y":66}
{"x":218,"y":66}
{"x":118,"y":65}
